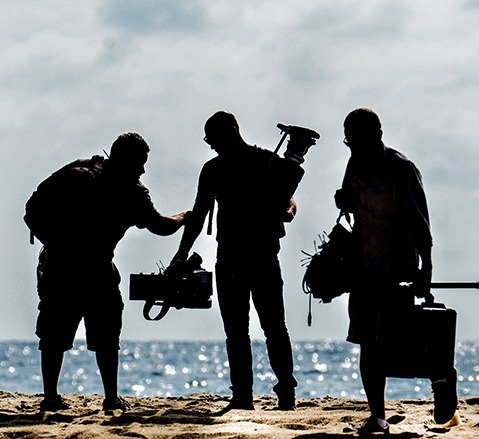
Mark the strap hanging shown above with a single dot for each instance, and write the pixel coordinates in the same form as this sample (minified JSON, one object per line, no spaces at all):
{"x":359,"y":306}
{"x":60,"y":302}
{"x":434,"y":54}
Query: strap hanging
{"x":149,"y":305}
{"x":209,"y":229}
{"x":310,"y":314}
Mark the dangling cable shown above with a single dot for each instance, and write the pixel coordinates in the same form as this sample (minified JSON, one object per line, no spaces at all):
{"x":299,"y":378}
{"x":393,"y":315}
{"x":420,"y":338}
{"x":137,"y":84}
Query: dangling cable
{"x":310,"y":314}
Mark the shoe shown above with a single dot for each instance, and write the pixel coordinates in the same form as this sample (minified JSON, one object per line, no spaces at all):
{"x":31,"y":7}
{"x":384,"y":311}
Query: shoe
{"x":286,"y":396}
{"x":286,"y":402}
{"x":236,"y":404}
{"x":240,"y":404}
{"x":55,"y":404}
{"x":445,"y":398}
{"x":118,"y":404}
{"x":372,"y":426}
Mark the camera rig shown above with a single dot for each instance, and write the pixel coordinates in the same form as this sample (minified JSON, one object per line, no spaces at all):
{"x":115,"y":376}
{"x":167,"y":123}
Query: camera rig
{"x":184,"y":284}
{"x":298,"y":132}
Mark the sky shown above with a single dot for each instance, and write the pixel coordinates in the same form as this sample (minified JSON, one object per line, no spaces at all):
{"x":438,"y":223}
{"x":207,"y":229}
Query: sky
{"x":74,"y":75}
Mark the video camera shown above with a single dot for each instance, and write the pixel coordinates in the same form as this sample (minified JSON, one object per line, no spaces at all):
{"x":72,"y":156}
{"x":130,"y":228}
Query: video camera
{"x":183,"y":284}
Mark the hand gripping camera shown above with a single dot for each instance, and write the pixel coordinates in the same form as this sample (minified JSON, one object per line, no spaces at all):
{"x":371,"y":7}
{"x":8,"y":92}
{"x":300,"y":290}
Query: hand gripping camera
{"x":183,"y":284}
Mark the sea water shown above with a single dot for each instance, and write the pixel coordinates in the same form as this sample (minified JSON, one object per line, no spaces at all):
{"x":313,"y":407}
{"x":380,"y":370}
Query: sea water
{"x":179,"y":368}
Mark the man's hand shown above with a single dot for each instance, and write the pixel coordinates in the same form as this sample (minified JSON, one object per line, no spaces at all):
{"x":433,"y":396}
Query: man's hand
{"x":290,"y":212}
{"x":422,"y":282}
{"x":182,"y":217}
{"x":167,"y":225}
{"x":177,"y":264}
{"x":179,"y":258}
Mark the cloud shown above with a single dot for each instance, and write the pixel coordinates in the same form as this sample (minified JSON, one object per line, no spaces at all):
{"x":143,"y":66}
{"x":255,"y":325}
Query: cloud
{"x":154,"y":16}
{"x":74,"y":76}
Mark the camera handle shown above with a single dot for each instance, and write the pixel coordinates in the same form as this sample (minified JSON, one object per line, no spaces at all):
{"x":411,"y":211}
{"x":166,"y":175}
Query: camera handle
{"x":149,"y":305}
{"x":284,"y":132}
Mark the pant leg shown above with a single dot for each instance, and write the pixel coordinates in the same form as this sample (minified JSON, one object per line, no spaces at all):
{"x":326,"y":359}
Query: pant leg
{"x":267,"y":293}
{"x":234,"y":303}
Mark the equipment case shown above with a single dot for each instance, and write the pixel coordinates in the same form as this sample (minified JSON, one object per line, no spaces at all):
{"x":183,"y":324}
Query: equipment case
{"x":423,"y":345}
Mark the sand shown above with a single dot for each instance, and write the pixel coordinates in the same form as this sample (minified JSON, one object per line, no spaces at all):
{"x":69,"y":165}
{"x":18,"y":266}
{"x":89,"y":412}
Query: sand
{"x":196,"y":416}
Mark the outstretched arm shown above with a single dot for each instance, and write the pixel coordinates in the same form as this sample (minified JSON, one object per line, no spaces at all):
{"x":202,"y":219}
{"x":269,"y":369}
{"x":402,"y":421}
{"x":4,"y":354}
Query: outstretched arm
{"x":148,"y":217}
{"x":204,"y":201}
{"x":190,"y":234}
{"x":167,"y":225}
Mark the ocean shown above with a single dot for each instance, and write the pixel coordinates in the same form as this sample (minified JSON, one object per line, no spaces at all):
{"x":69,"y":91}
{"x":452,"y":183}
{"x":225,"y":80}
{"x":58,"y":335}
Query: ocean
{"x":180,"y":368}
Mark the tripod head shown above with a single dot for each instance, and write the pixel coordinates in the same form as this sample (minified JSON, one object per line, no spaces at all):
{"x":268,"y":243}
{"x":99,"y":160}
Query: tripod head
{"x":300,"y":140}
{"x":298,"y":131}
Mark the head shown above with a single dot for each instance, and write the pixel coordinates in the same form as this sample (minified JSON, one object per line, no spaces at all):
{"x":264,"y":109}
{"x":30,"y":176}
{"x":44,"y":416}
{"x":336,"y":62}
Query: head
{"x":222,"y":132}
{"x":362,"y":131}
{"x":128,"y":155}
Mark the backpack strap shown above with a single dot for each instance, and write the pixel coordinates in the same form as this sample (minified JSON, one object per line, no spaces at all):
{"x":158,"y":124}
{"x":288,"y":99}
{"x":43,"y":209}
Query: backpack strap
{"x":209,"y":229}
{"x":346,"y":215}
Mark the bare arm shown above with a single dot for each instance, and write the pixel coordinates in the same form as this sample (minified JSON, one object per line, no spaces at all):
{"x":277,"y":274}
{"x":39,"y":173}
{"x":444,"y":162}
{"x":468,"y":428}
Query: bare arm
{"x":203,"y":203}
{"x":167,"y":225}
{"x":148,"y":217}
{"x":190,"y":234}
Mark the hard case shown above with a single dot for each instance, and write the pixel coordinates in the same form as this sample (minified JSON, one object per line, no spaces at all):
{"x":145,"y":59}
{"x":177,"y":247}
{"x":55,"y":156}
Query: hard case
{"x":423,"y":346}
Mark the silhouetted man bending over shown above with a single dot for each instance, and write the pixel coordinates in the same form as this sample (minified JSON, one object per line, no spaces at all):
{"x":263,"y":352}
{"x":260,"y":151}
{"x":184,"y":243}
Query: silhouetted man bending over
{"x":87,"y":208}
{"x":253,"y":189}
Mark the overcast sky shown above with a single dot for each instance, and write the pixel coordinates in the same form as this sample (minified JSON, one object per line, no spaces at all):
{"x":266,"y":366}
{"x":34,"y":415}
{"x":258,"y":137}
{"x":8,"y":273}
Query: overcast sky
{"x":74,"y":75}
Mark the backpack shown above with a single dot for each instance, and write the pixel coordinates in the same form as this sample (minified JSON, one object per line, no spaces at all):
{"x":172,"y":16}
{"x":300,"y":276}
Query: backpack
{"x":45,"y":209}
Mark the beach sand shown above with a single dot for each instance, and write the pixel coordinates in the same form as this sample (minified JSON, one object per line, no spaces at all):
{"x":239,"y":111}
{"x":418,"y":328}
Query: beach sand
{"x":196,"y":416}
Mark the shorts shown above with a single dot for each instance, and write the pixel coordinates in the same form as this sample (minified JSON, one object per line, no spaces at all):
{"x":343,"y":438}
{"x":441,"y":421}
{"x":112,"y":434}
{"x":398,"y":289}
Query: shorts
{"x":72,"y":289}
{"x":59,"y":318}
{"x":375,"y":306}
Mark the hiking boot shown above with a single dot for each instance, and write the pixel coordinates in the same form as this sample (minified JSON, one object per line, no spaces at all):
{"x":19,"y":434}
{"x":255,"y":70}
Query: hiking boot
{"x":118,"y":404}
{"x":55,"y":404}
{"x":373,"y":425}
{"x":445,"y":398}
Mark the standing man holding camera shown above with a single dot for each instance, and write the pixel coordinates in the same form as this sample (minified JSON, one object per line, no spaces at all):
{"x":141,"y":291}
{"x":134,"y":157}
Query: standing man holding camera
{"x":80,"y":213}
{"x":253,"y":188}
{"x":383,"y":190}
